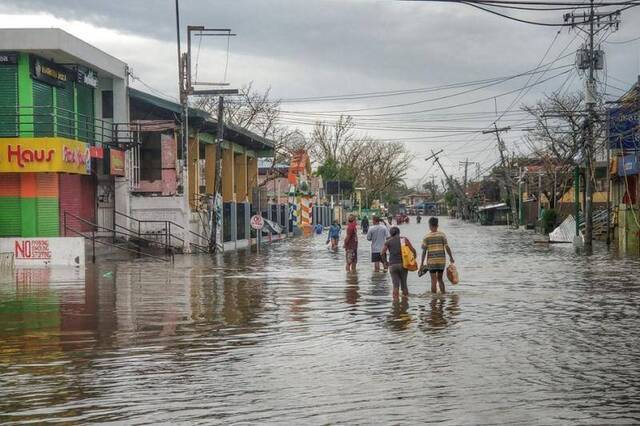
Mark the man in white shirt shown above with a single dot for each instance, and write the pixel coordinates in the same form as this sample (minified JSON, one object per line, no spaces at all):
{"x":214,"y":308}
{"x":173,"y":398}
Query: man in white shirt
{"x":377,"y":234}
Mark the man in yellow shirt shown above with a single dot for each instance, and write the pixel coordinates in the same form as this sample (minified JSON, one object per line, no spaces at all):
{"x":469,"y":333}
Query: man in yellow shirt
{"x":434,"y":246}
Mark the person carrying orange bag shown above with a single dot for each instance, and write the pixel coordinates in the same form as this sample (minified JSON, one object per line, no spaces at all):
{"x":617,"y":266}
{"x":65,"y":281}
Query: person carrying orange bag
{"x":395,"y":246}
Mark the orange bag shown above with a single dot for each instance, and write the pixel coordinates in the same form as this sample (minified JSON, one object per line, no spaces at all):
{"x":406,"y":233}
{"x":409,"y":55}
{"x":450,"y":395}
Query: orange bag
{"x":452,"y":274}
{"x":408,"y":259}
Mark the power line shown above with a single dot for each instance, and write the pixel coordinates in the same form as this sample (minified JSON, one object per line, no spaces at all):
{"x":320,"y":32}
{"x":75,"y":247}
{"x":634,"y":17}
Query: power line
{"x":368,"y":95}
{"x":623,"y":42}
{"x":483,"y":5}
{"x":431,"y":109}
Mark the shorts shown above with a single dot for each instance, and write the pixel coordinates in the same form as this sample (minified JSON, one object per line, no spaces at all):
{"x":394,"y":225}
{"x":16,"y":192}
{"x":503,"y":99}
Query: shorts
{"x":436,"y":270}
{"x":376,"y":257}
{"x":352,"y":256}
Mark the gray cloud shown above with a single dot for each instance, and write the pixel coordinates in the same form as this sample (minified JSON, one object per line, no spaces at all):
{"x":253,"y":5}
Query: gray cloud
{"x":312,"y":48}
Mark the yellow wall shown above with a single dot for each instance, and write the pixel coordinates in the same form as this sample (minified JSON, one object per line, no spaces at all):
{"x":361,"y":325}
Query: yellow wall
{"x":210,"y":168}
{"x":240,"y":169}
{"x":228,"y":175}
{"x":252,"y":176}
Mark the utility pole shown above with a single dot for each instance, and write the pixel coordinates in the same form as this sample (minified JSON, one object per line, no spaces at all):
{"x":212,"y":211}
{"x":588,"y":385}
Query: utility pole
{"x":434,"y":192}
{"x":184,"y":136}
{"x":187,"y":89}
{"x":465,"y":185}
{"x":456,"y":188}
{"x":215,"y":232}
{"x":588,"y":143}
{"x":591,"y":60}
{"x":507,"y":172}
{"x":466,"y":164}
{"x":466,"y":169}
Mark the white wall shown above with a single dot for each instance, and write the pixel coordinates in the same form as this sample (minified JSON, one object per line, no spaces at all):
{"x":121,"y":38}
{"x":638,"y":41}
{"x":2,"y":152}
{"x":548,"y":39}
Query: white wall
{"x":45,"y":251}
{"x":158,"y":208}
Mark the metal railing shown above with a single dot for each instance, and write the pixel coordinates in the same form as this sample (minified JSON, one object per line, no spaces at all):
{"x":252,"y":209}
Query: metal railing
{"x":91,"y":235}
{"x":164,"y":231}
{"x":600,"y":221}
{"x":50,"y":121}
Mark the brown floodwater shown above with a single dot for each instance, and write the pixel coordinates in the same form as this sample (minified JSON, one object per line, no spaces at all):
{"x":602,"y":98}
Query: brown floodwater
{"x":533,"y":334}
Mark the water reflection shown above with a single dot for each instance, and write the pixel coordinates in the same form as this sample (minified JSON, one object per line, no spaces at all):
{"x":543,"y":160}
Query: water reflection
{"x":351,"y":290}
{"x":441,"y":312}
{"x":399,"y":319}
{"x":531,"y":335}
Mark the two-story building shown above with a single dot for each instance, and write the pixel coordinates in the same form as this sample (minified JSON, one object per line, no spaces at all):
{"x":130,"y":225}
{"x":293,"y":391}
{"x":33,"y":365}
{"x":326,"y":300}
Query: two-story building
{"x":83,"y":154}
{"x":63,"y":128}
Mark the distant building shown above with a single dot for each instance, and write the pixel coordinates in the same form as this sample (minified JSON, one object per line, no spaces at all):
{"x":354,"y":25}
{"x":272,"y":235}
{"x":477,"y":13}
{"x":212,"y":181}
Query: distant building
{"x":624,"y":143}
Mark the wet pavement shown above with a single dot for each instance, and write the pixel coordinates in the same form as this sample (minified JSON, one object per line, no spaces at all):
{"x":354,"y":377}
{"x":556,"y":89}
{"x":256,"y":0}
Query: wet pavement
{"x":533,"y":334}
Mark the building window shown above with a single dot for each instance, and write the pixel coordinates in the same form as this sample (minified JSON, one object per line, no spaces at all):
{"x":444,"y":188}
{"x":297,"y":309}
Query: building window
{"x":150,"y":157}
{"x":107,"y":104}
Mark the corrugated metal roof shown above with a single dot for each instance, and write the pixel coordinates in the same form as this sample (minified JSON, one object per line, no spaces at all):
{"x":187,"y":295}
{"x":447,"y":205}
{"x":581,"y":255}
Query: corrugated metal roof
{"x":208,"y":124}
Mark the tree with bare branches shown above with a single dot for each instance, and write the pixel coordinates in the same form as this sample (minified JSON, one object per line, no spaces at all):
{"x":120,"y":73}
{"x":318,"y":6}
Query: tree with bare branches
{"x":556,"y":140}
{"x":257,"y":112}
{"x":366,"y":162}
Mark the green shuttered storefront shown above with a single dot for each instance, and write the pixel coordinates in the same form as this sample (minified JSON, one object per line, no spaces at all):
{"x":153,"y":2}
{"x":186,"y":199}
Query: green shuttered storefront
{"x":84,"y":97}
{"x":30,"y":203}
{"x":43,"y":109}
{"x":8,"y":100}
{"x":65,"y":107}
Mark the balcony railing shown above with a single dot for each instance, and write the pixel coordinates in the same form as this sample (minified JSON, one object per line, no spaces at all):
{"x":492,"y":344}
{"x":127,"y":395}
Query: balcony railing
{"x":49,"y":121}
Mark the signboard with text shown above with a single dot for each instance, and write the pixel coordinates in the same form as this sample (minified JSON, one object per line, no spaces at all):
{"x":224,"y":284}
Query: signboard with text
{"x":116,"y":160}
{"x":45,"y":251}
{"x":29,"y":155}
{"x":49,"y":72}
{"x":8,"y":58}
{"x":624,"y":126}
{"x":87,"y":77}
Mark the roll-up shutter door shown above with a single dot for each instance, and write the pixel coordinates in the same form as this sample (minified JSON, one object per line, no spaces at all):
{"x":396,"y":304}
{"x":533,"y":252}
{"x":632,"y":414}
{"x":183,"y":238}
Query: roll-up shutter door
{"x":48,"y":217}
{"x":70,"y":197}
{"x":88,"y":201}
{"x":65,"y":111}
{"x":10,"y":211}
{"x":9,"y":100}
{"x":43,"y":109}
{"x":85,"y":113}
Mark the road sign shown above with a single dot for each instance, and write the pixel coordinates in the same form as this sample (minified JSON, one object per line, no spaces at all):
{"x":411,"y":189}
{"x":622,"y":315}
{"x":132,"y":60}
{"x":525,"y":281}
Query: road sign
{"x":257,"y":222}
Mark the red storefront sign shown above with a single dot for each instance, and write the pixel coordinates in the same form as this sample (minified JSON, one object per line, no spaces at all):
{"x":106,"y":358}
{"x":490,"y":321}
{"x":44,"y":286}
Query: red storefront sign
{"x":116,"y":158}
{"x":32,"y":249}
{"x":96,"y":152}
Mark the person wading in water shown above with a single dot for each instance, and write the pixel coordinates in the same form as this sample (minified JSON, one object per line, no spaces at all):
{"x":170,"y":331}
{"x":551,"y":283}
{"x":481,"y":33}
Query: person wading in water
{"x":398,"y":273}
{"x":333,"y":235}
{"x":351,"y":244}
{"x":434,"y":246}
{"x":377,"y":234}
{"x":364,"y":224}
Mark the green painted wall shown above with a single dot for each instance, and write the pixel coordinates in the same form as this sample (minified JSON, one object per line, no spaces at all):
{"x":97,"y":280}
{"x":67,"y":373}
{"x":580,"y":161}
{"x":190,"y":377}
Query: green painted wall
{"x":628,"y":230}
{"x":8,"y":100}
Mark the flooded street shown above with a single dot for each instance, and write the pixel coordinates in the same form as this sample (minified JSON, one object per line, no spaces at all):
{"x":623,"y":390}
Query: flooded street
{"x":533,"y":334}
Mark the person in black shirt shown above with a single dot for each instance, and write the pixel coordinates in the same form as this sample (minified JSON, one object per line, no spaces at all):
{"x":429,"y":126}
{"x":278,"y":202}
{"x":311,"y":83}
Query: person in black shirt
{"x":393,"y":246}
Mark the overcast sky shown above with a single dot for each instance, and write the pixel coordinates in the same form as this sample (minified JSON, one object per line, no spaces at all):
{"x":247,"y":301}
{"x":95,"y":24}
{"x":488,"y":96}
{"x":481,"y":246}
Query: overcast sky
{"x":312,"y":48}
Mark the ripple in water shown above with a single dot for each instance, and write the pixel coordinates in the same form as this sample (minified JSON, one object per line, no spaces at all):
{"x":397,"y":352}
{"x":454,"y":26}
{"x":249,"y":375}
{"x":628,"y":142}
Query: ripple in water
{"x":533,"y":334}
